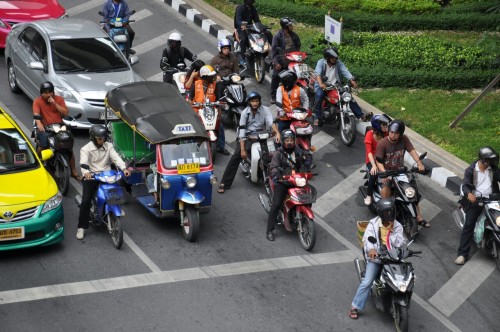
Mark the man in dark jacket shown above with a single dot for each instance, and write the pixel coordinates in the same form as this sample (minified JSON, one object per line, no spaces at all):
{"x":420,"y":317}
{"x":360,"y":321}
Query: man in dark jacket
{"x":225,"y":62}
{"x":481,"y":179}
{"x":172,"y":55}
{"x":247,"y":13}
{"x":284,"y":41}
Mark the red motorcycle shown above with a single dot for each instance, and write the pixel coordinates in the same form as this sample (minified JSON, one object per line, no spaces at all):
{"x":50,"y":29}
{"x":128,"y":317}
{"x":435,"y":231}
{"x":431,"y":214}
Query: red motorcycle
{"x":296,"y":212}
{"x":301,"y":127}
{"x":305,"y":75}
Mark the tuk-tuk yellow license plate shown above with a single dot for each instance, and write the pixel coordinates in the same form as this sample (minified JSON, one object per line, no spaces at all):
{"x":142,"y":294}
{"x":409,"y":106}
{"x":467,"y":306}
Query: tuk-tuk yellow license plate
{"x":15,"y":233}
{"x":188,"y":168}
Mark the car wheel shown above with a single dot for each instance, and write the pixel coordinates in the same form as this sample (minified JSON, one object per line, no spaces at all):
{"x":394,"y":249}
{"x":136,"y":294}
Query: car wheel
{"x":11,"y":72}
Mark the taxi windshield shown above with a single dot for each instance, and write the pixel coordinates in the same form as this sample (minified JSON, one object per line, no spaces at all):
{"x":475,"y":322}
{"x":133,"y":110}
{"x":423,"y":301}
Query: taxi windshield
{"x":15,"y":153}
{"x":185,"y":152}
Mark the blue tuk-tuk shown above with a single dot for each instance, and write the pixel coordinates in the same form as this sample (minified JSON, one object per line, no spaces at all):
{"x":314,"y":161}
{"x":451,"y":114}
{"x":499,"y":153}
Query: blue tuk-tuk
{"x":160,"y":137}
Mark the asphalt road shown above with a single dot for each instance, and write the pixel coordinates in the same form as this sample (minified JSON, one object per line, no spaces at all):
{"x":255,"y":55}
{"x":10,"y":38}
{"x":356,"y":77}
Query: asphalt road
{"x":232,"y":278}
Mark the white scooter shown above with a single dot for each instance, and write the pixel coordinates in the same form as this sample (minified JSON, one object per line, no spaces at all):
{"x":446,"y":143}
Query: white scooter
{"x":209,"y":113}
{"x":262,"y":147}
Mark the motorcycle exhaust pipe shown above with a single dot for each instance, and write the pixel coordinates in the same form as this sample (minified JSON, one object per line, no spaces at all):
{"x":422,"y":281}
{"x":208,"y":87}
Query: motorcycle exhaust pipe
{"x":78,"y":200}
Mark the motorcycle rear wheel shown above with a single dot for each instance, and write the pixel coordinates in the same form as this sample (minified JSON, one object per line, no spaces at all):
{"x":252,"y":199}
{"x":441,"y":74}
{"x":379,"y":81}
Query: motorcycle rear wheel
{"x":259,"y":67}
{"x":348,"y":130}
{"x":308,"y":235}
{"x":191,"y":223}
{"x":401,"y":318}
{"x":115,"y":226}
{"x":61,"y":175}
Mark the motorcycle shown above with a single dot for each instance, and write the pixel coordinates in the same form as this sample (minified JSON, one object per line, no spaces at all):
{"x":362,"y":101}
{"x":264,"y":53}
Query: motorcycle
{"x":301,"y":127}
{"x":296,"y":210}
{"x":210,"y":116}
{"x":393,"y":288}
{"x":105,"y":209}
{"x":235,"y":96}
{"x":258,"y":50}
{"x":335,"y":109}
{"x":118,"y":33}
{"x":305,"y":75}
{"x":405,"y":191}
{"x":261,"y":149}
{"x":487,"y":229}
{"x":179,"y":74}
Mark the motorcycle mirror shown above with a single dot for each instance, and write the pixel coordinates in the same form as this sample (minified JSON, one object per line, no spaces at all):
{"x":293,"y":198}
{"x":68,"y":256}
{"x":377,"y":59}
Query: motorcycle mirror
{"x":85,"y":166}
{"x":132,"y":12}
{"x":422,"y":156}
{"x":372,"y":240}
{"x":79,"y":115}
{"x":324,"y":79}
{"x":380,"y":160}
{"x":101,"y":13}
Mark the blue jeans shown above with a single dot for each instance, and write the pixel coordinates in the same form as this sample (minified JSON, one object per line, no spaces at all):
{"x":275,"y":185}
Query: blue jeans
{"x":319,"y":94}
{"x":359,"y":301}
{"x":221,"y":138}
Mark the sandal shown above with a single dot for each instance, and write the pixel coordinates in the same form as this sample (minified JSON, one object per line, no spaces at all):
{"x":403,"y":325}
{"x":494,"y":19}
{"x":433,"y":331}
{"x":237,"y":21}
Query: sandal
{"x":222,"y":188}
{"x":353,"y":313}
{"x":424,"y":223}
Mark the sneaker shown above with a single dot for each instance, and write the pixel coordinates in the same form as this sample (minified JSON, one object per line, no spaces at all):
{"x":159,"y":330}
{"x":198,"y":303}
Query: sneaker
{"x":460,"y":260}
{"x":368,"y":200}
{"x":80,"y":233}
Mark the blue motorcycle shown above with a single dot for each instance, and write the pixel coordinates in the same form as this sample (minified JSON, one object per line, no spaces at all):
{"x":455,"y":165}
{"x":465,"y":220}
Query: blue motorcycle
{"x":118,"y":33}
{"x":105,"y":209}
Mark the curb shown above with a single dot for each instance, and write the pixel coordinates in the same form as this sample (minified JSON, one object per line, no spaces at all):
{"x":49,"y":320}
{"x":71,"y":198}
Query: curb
{"x":217,"y":23}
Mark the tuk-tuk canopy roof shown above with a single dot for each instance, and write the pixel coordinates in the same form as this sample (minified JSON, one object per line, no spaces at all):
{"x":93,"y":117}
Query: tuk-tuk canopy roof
{"x":156,"y":110}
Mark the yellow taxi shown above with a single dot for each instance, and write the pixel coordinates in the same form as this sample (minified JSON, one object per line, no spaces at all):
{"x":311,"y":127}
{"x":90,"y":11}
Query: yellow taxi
{"x":31,"y":212}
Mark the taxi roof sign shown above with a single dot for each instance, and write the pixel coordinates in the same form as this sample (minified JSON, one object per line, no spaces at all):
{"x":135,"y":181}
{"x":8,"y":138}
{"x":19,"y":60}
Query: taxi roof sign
{"x":184,"y":128}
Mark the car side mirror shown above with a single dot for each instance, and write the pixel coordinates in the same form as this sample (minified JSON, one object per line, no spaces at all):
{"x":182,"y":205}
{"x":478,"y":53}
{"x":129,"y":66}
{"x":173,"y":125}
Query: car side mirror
{"x":134,"y":59}
{"x":36,"y":65}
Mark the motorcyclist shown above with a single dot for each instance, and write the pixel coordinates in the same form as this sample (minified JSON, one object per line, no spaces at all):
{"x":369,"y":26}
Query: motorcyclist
{"x":389,"y":234}
{"x":51,"y":108}
{"x":379,"y":130}
{"x":119,"y":8}
{"x":255,"y":117}
{"x":246,"y":12}
{"x":225,"y":62}
{"x":97,"y":155}
{"x":173,"y":55}
{"x":284,"y":41}
{"x":193,"y":74}
{"x":288,"y":157}
{"x":289,"y":96}
{"x":208,"y":88}
{"x":481,"y":179}
{"x":392,"y":149}
{"x":331,"y":67}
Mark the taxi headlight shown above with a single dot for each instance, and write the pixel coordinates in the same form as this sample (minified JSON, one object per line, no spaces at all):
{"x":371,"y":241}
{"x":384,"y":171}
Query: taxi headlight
{"x":346,"y":97}
{"x":410,"y":192}
{"x":191,"y":182}
{"x":52,"y":203}
{"x":164,"y":183}
{"x":300,"y":182}
{"x":213,"y":179}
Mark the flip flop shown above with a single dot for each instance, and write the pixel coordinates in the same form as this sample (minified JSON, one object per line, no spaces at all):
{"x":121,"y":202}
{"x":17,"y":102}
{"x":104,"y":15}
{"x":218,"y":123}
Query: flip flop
{"x":221,"y":189}
{"x":353,"y":313}
{"x":424,"y":223}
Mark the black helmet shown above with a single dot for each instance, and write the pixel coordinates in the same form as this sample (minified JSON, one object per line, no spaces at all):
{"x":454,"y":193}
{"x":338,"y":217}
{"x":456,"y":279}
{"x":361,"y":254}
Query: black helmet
{"x":248,"y":2}
{"x":288,"y":79}
{"x":397,"y":126}
{"x":253,"y":95}
{"x":46,"y":87}
{"x":97,"y":131}
{"x":286,"y":22}
{"x":488,"y":153}
{"x":386,"y":209}
{"x":287,"y":133}
{"x":377,"y":121}
{"x":331,"y":52}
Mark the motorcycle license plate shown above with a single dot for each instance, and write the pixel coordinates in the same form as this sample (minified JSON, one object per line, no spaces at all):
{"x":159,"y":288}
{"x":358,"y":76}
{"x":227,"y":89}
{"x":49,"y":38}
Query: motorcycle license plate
{"x":188,"y":168}
{"x":14,"y":233}
{"x":110,"y":115}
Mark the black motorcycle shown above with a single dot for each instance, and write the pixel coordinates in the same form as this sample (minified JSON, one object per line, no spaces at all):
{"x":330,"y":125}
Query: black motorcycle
{"x":235,"y":96}
{"x":393,"y":287}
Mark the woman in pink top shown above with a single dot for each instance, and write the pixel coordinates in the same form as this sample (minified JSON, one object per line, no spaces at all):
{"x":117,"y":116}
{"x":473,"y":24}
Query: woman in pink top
{"x":372,"y":137}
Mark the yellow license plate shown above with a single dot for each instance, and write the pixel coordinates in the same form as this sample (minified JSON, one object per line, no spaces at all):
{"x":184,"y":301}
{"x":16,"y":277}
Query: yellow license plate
{"x":7,"y":234}
{"x":188,"y":168}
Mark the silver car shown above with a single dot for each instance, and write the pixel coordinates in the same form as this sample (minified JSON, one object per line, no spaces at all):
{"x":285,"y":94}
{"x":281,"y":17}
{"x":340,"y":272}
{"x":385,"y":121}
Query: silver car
{"x":76,"y":55}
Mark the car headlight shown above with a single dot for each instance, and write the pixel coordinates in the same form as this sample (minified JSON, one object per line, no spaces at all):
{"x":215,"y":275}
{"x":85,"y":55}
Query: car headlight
{"x":191,"y":182}
{"x":410,"y":192}
{"x":52,"y":203}
{"x":66,"y":94}
{"x":346,"y":97}
{"x":300,"y":182}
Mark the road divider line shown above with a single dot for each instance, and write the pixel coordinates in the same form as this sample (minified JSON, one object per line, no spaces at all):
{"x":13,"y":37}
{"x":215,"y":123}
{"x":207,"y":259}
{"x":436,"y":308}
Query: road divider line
{"x":151,"y":44}
{"x":138,"y":251}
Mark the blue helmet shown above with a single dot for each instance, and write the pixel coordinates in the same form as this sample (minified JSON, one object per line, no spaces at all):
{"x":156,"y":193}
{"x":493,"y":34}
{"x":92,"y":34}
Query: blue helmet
{"x":378,"y":120}
{"x":253,"y":95}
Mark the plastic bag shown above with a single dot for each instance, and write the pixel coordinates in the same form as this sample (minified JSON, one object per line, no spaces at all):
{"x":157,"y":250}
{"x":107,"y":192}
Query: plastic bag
{"x":479,"y":230}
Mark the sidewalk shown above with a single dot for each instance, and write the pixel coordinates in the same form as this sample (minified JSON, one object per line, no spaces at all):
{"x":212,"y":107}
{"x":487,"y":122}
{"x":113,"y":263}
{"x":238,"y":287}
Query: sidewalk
{"x":446,"y":169}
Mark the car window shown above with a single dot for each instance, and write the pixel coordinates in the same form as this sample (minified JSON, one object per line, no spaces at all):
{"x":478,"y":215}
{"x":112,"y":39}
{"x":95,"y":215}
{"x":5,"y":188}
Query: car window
{"x":26,"y":37}
{"x":88,"y":54}
{"x":15,"y":154}
{"x":39,"y":49}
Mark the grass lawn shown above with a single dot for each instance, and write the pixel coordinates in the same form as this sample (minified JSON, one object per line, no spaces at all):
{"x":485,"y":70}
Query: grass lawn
{"x":428,"y":112}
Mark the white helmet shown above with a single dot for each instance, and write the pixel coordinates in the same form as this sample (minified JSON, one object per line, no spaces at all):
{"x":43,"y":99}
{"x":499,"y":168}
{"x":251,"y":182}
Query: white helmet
{"x":207,"y":70}
{"x":175,"y":36}
{"x":223,"y":43}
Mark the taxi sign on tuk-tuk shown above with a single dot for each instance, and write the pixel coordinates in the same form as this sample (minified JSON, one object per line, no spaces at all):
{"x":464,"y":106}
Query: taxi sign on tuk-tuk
{"x":185,"y":128}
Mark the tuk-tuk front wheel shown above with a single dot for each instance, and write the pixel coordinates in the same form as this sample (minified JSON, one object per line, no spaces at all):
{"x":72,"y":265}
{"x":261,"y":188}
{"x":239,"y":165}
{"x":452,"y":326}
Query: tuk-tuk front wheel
{"x":190,"y":223}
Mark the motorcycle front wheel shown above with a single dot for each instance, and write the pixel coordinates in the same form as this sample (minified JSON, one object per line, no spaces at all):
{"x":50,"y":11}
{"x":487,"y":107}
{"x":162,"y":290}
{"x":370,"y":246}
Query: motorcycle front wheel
{"x":190,"y":223}
{"x":259,"y":67}
{"x":401,"y":318}
{"x":115,"y":227}
{"x":213,"y":150}
{"x":410,"y":227}
{"x":308,"y":235}
{"x":348,"y":129}
{"x":61,"y":174}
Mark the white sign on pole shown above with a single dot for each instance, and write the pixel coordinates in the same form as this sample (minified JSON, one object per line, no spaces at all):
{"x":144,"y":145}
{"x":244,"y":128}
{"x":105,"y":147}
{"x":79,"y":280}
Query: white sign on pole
{"x":333,"y":30}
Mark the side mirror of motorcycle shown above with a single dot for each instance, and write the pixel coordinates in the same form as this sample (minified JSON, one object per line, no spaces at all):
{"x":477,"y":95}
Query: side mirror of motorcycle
{"x":324,"y":79}
{"x":101,"y":13}
{"x":85,"y":166}
{"x":423,"y":155}
{"x":380,"y":160}
{"x":372,"y":240}
{"x":132,"y":12}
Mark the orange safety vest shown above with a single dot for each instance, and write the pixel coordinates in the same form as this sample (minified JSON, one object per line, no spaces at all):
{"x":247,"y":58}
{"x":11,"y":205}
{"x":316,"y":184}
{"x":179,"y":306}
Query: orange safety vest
{"x":290,"y":102}
{"x":200,"y":95}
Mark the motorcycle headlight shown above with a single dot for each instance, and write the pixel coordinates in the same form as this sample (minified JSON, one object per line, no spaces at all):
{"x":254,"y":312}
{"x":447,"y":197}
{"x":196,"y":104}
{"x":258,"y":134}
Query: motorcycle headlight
{"x":300,"y":115}
{"x":300,"y":182}
{"x":346,"y":97}
{"x":497,"y":221}
{"x":66,"y":94}
{"x":191,"y":182}
{"x":112,"y":178}
{"x":410,"y":192}
{"x":52,"y":203}
{"x":264,"y":136}
{"x":236,"y":78}
{"x":402,"y":287}
{"x":165,"y":184}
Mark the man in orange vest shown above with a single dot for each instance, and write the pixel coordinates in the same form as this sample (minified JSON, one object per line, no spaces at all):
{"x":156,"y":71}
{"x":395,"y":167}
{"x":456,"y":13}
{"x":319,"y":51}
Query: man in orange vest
{"x":207,"y":88}
{"x":289,"y":96}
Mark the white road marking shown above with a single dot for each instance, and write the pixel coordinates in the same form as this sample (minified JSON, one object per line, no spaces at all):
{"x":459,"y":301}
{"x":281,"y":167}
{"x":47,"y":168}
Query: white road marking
{"x":157,"y":77}
{"x":205,"y":56}
{"x":140,"y":15}
{"x":138,"y":251}
{"x":85,"y":7}
{"x":429,"y":210}
{"x":321,"y":139}
{"x":153,"y":43}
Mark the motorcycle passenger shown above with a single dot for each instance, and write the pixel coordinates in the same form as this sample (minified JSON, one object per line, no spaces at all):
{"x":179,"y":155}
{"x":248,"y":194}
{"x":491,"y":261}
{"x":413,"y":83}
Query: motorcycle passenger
{"x":289,"y":96}
{"x":245,"y":12}
{"x":284,"y":41}
{"x":208,"y":88}
{"x":480,"y":180}
{"x":98,"y":156}
{"x":255,"y":117}
{"x":331,"y":67}
{"x":225,"y":62}
{"x":287,"y":157}
{"x":51,"y":108}
{"x":389,"y":234}
{"x":392,"y":150}
{"x":119,"y":8}
{"x":380,"y":124}
{"x":173,"y":55}
{"x":192,"y":75}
